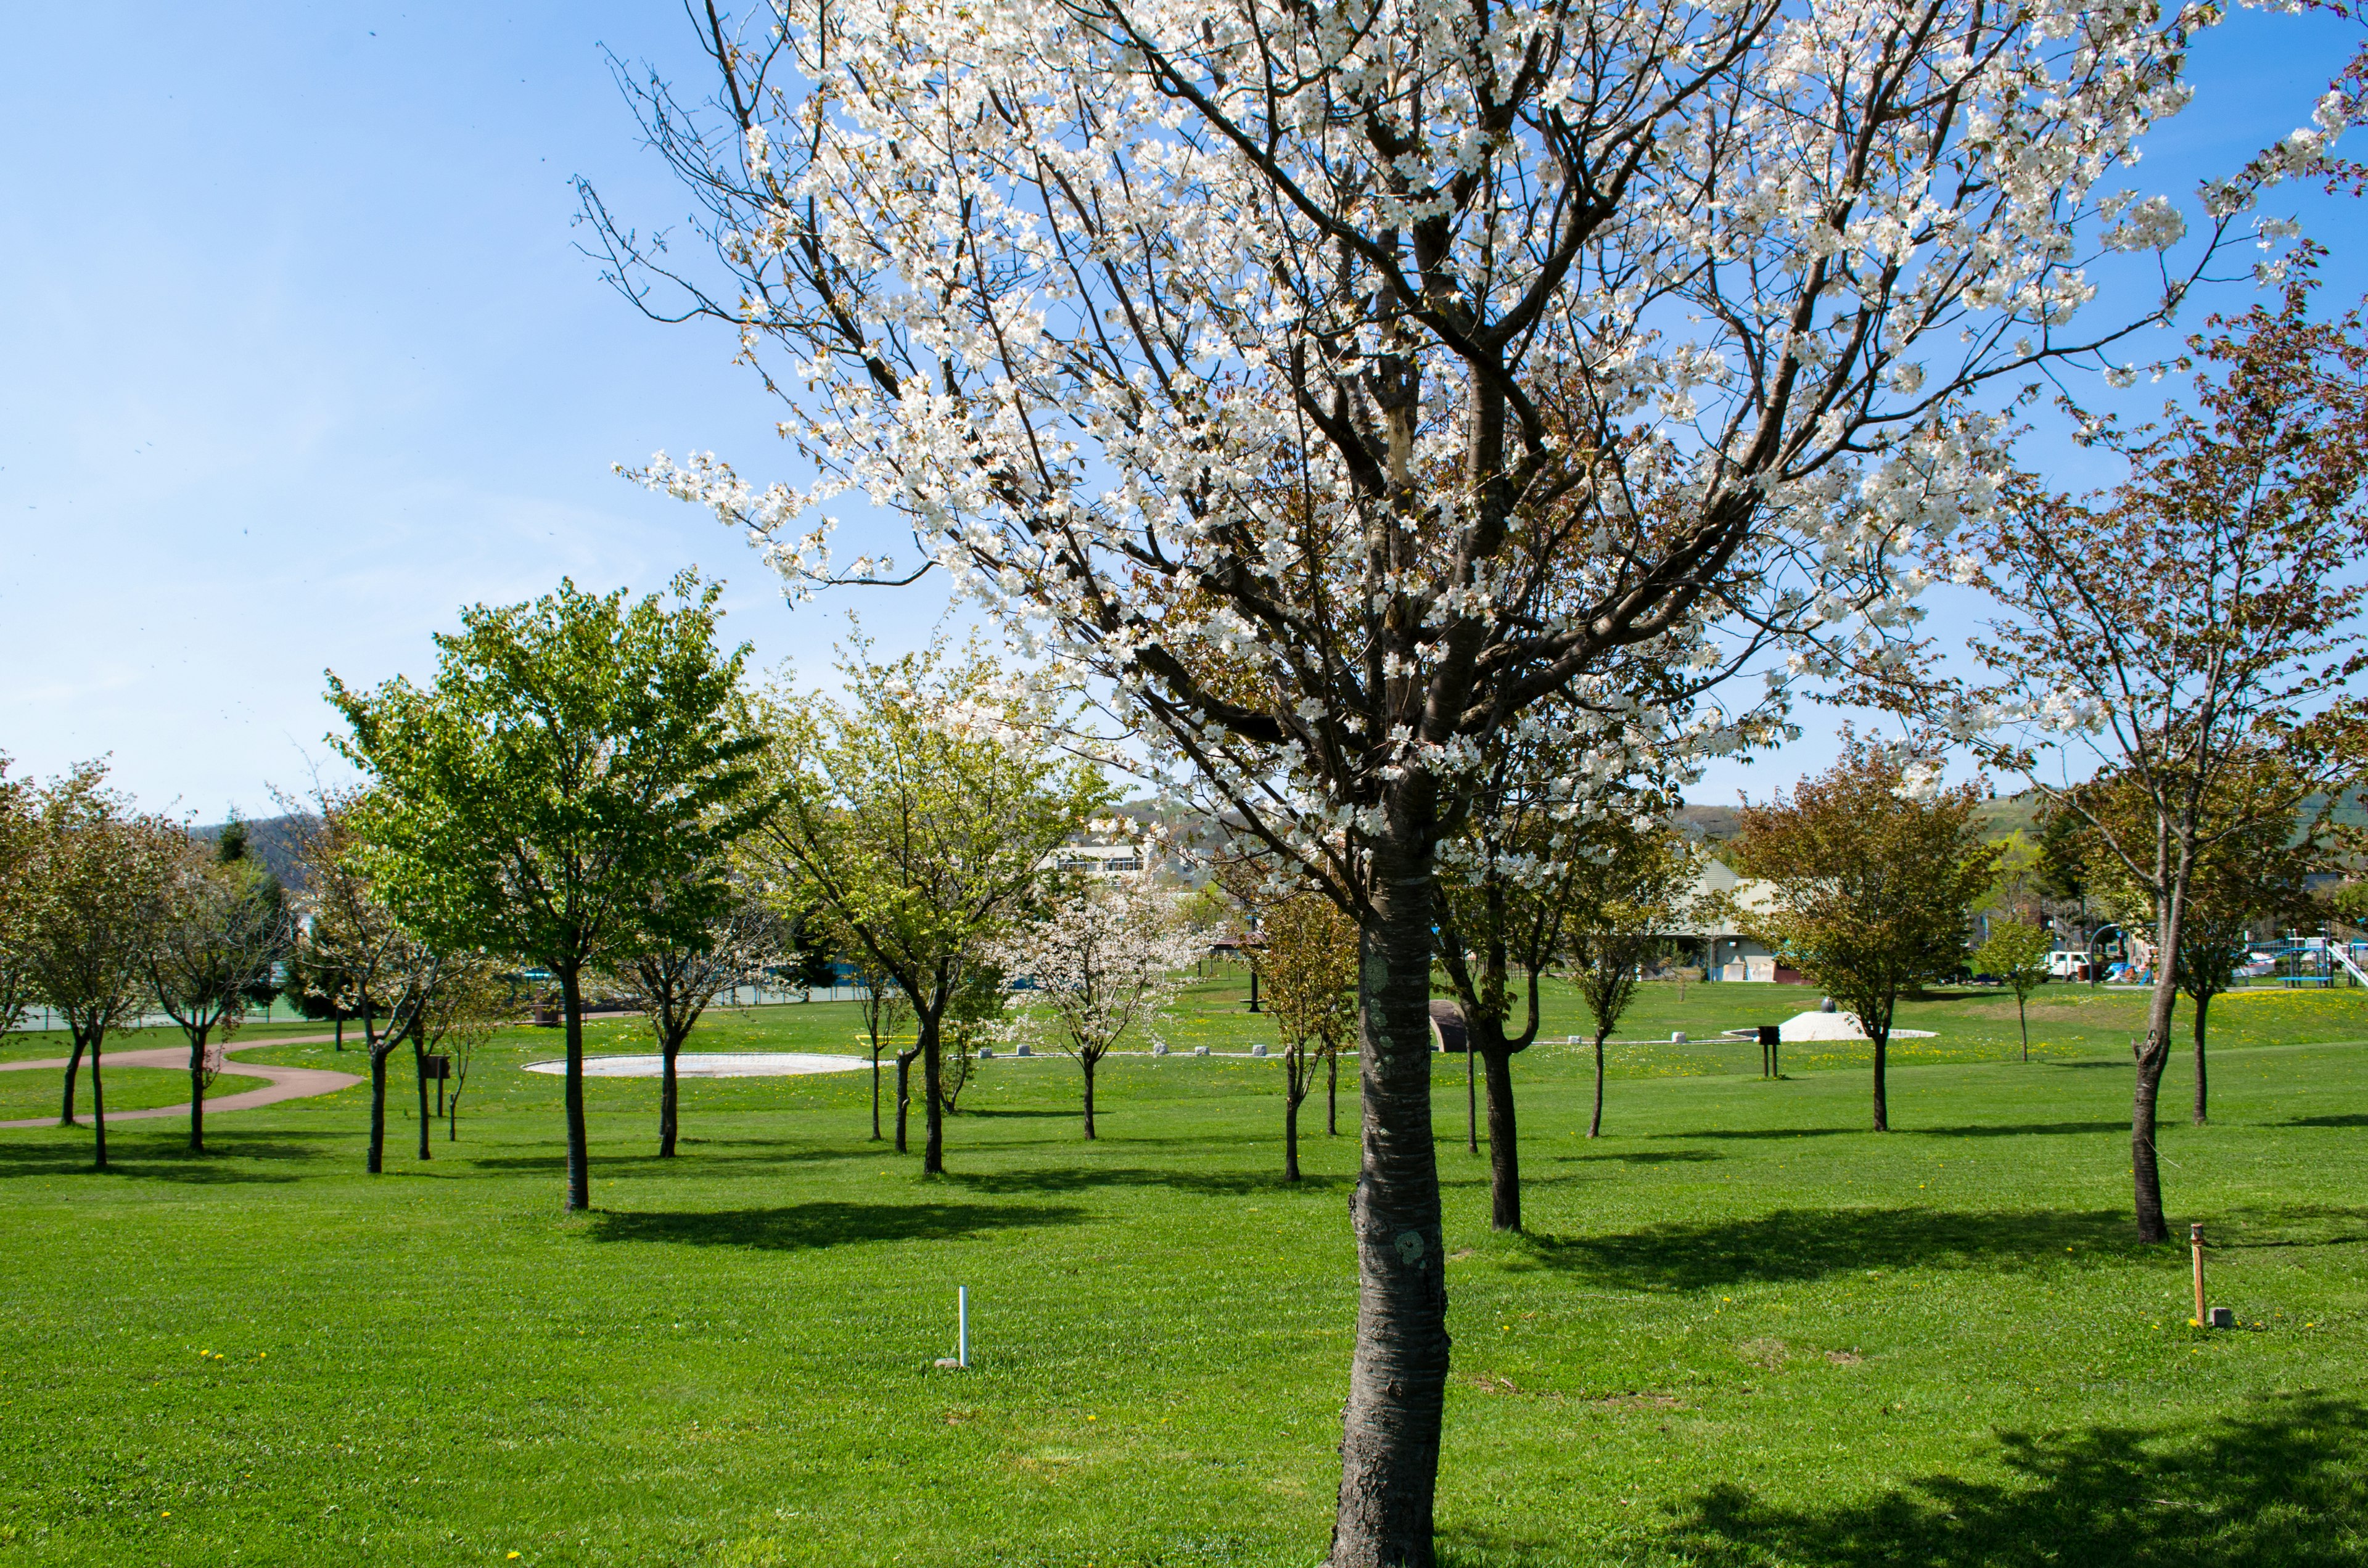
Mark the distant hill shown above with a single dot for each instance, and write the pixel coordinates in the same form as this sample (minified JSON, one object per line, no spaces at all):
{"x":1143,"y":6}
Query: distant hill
{"x":271,"y":840}
{"x":1710,"y":824}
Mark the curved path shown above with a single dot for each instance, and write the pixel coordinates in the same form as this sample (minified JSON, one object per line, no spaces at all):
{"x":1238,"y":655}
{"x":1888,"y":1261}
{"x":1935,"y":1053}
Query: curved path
{"x":286,"y":1083}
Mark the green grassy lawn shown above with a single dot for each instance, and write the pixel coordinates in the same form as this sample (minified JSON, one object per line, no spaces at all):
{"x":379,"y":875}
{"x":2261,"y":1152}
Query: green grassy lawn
{"x":34,"y":1044}
{"x":39,"y":1092}
{"x":1741,"y":1331}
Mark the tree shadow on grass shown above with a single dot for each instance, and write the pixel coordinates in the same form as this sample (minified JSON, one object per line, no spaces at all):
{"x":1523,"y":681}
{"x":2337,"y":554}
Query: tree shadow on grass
{"x":2279,"y":1484}
{"x":1755,"y":1134}
{"x":2346,"y":1121}
{"x":164,"y":1159}
{"x":2017,"y":1129}
{"x":803,"y":1227}
{"x":1794,"y":1244}
{"x":1639,"y":1156}
{"x":1213,"y":1184}
{"x":692,"y":1153}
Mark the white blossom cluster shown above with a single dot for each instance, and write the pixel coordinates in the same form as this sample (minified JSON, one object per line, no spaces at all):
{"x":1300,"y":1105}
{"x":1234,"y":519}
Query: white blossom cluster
{"x":1339,"y":384}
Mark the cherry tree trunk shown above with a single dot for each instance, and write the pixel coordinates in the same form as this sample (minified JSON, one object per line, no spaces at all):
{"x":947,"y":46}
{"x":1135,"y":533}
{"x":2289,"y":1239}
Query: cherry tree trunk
{"x":375,"y":1163}
{"x":1088,"y":1063}
{"x":1332,"y":1094}
{"x":1290,"y":1137}
{"x":1504,"y":1143}
{"x":419,"y":1075}
{"x":74,"y":1065}
{"x":98,"y":1100}
{"x":2153,"y":1055}
{"x":198,"y":1095}
{"x":670,"y":1102}
{"x":933,"y":1106}
{"x":904,"y":1059}
{"x":1595,"y":1122}
{"x":579,"y":1152}
{"x":1882,"y":1102}
{"x":1397,"y":1378}
{"x":2202,"y":1100}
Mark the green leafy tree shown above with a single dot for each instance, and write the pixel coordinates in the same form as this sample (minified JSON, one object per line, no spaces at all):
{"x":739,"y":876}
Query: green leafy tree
{"x":2260,"y":840}
{"x":377,"y":969}
{"x":1873,"y":871}
{"x":919,"y":815}
{"x":2017,"y":953}
{"x":557,"y":790}
{"x":1311,"y":976}
{"x":222,"y":927}
{"x":1631,"y":884}
{"x":93,"y":893}
{"x":673,"y":980}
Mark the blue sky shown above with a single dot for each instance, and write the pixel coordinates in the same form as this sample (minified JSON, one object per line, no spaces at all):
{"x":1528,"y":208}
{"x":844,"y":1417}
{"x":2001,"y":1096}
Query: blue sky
{"x":301,"y":358}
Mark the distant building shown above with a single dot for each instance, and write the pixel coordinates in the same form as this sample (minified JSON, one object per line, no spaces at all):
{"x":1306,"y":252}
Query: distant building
{"x":1723,"y":951}
{"x":1096,"y":859}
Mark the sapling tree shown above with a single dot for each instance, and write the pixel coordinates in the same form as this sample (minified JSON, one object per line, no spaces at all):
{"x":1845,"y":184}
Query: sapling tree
{"x":1631,"y":884}
{"x":566,"y":788}
{"x":674,"y":979}
{"x":1106,"y":956}
{"x":1297,"y":373}
{"x":2017,"y":953}
{"x":1311,"y":968}
{"x":2195,"y":615}
{"x":885,"y":1010}
{"x":471,"y":1001}
{"x":1873,"y":870}
{"x":2259,"y":869}
{"x":376,"y":969}
{"x":95,"y":877}
{"x":221,"y":928}
{"x":919,"y":814}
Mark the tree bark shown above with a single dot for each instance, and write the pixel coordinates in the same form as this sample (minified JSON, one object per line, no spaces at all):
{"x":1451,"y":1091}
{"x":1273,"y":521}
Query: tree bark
{"x":669,"y":1102}
{"x":2202,"y":1002}
{"x":1088,"y":1063}
{"x":74,"y":1065}
{"x":375,"y":1164}
{"x":1397,"y":1377}
{"x":933,"y":1149}
{"x":2153,"y":1056}
{"x":1290,"y":1137}
{"x":341,"y":1031}
{"x":905,"y":1090}
{"x":419,"y":1072}
{"x":98,"y":1099}
{"x":1505,"y":1144}
{"x":198,"y":1091}
{"x":875,"y":1093}
{"x":2022,"y":1017}
{"x":1595,"y":1124}
{"x":580,"y":1154}
{"x":1332,"y":1094}
{"x":1882,"y":1102}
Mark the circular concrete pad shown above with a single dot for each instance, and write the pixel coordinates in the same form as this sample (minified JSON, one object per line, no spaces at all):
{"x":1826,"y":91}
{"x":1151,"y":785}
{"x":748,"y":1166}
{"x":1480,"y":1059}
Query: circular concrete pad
{"x":711,"y":1064}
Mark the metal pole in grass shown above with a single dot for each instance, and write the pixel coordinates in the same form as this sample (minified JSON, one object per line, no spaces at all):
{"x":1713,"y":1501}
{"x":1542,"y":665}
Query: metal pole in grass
{"x":959,"y":1359}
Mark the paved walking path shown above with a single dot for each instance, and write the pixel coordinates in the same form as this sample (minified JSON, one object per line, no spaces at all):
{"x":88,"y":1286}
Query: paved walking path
{"x":286,"y":1083}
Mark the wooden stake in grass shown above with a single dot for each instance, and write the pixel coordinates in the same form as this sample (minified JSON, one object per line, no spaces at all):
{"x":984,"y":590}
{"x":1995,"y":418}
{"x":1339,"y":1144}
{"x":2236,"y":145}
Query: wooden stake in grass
{"x":2195,"y":1239}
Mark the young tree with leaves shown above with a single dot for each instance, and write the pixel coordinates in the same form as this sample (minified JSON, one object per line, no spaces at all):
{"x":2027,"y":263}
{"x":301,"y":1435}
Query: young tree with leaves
{"x":1630,"y":885}
{"x":885,"y":1010}
{"x":919,"y":814}
{"x":1309,"y":346}
{"x":2195,"y":616}
{"x":2017,"y":953}
{"x":672,"y":981}
{"x":568,"y":787}
{"x":347,"y":939}
{"x":472,"y":999}
{"x":95,"y":879}
{"x":2260,"y":843}
{"x":222,"y":926}
{"x":1310,"y":968}
{"x":1105,"y":955}
{"x":1873,"y":872}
